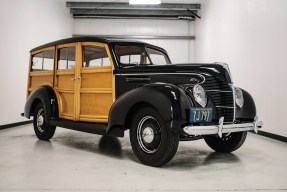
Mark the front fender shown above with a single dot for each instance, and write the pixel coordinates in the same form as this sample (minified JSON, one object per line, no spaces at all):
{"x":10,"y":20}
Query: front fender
{"x":248,"y":110}
{"x":45,"y":95}
{"x":169,"y":100}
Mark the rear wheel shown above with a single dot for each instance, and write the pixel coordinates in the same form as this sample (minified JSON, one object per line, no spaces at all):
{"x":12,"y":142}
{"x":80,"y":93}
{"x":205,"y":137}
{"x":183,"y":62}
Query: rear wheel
{"x":152,"y":142}
{"x":43,"y":130}
{"x":228,"y":143}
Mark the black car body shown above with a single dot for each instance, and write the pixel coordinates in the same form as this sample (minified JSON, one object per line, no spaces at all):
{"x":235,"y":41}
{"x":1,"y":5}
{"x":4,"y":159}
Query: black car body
{"x":159,"y":102}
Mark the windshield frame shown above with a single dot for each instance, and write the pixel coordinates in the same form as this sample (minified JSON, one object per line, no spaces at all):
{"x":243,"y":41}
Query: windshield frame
{"x":144,"y":46}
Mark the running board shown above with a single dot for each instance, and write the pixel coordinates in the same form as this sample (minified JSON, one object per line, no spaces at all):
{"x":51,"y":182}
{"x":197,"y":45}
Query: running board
{"x":95,"y":128}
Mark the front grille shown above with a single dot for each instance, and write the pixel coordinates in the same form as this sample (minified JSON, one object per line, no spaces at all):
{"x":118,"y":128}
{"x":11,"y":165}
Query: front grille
{"x":222,"y":96}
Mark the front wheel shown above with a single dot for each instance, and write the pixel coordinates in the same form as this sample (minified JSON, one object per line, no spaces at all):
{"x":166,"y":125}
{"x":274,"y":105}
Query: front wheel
{"x":43,"y":130}
{"x":228,"y":143}
{"x":152,"y":142}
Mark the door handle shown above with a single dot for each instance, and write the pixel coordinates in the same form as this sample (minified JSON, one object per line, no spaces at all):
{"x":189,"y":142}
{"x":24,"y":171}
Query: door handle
{"x":76,"y":78}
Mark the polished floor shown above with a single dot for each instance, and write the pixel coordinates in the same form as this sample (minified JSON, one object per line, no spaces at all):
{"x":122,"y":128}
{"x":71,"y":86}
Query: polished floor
{"x":74,"y":161}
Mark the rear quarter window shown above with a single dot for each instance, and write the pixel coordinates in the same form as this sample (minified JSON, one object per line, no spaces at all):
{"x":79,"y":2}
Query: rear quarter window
{"x":43,"y":61}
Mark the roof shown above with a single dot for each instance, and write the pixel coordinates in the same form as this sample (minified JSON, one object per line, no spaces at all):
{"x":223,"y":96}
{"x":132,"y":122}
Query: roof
{"x":92,"y":39}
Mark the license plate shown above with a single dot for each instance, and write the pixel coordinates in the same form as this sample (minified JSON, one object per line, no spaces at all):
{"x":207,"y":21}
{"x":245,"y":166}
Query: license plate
{"x":200,"y":115}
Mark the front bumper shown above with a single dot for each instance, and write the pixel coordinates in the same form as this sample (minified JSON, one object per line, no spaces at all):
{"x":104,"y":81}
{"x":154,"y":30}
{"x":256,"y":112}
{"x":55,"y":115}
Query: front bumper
{"x":221,"y":128}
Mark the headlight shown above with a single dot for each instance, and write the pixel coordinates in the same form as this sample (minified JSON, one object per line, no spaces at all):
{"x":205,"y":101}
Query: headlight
{"x":199,"y":95}
{"x":239,"y":97}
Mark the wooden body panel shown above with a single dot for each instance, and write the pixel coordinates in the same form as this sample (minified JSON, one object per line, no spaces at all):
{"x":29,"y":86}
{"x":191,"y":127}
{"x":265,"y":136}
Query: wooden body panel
{"x":83,"y":93}
{"x":95,"y":103}
{"x":96,"y":90}
{"x":39,"y":78}
{"x":64,"y":85}
{"x":36,"y":80}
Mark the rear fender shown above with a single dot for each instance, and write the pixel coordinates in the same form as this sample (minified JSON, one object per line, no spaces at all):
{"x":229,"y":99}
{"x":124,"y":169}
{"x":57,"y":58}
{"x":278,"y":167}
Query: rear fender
{"x":45,"y":95}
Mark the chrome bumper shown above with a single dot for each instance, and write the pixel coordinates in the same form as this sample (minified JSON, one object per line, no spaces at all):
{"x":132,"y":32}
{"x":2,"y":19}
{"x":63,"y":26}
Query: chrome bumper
{"x":221,"y":128}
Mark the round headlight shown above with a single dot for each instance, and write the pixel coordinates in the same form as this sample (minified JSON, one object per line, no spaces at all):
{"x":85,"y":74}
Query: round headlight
{"x":199,"y":95}
{"x":239,"y":97}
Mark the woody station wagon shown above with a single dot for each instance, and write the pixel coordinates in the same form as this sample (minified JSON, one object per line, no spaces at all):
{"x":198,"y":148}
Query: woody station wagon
{"x":105,"y":87}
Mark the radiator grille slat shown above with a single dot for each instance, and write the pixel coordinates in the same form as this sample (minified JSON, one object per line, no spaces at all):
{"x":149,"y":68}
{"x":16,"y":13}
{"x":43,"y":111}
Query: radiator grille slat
{"x":218,"y":93}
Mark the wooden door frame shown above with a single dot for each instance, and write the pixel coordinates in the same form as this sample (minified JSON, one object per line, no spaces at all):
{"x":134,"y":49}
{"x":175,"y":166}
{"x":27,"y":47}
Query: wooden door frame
{"x":80,"y":69}
{"x":64,"y":72}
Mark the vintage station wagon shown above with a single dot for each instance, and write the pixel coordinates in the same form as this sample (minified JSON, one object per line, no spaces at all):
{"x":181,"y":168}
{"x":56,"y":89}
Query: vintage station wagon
{"x":105,"y":87}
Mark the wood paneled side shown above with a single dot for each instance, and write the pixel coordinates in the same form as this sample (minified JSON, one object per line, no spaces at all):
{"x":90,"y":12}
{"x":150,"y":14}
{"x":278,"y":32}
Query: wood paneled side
{"x":96,"y":104}
{"x":65,"y":86}
{"x":96,"y":91}
{"x":36,"y":81}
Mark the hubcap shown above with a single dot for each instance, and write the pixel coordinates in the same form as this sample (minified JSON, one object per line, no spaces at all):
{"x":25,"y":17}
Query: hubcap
{"x":40,"y":120}
{"x":149,"y":134}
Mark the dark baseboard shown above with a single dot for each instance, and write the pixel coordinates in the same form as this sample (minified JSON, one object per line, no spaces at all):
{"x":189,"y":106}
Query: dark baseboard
{"x":15,"y":124}
{"x":273,"y":136}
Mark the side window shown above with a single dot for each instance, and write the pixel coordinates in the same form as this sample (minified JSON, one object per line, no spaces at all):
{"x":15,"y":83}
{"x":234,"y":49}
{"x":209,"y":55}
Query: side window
{"x":43,"y":61}
{"x":130,"y":59}
{"x":134,"y":55}
{"x":157,"y":57}
{"x":95,"y":56}
{"x":66,"y":58}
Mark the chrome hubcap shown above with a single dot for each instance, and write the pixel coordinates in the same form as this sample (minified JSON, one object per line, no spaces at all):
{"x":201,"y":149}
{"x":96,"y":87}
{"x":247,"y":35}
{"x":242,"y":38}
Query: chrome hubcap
{"x":149,"y":134}
{"x":40,"y":120}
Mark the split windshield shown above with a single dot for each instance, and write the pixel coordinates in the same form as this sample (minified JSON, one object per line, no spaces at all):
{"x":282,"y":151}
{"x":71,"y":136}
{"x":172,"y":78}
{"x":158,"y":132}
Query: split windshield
{"x":139,"y":55}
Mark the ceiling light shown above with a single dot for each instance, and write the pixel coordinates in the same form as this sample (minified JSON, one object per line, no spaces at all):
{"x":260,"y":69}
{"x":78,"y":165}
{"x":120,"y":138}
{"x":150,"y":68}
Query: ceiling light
{"x":144,"y":2}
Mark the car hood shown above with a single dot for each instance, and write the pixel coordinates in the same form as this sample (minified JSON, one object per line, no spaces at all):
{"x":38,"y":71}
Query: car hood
{"x":195,"y":68}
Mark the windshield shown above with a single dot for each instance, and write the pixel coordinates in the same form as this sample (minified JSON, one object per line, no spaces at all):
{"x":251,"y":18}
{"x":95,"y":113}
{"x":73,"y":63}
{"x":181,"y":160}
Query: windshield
{"x":139,"y":55}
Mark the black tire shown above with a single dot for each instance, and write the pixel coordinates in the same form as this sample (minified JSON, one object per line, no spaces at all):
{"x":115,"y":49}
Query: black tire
{"x":159,"y":144}
{"x":43,"y":130}
{"x":226,"y":144}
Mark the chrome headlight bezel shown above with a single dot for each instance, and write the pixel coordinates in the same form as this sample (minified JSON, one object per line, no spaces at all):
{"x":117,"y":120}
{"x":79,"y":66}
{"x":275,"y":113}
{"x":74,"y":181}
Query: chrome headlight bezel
{"x":199,"y":95}
{"x":239,"y":97}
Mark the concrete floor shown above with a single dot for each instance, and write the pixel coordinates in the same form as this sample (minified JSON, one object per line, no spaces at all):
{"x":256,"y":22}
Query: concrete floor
{"x":75,"y":161}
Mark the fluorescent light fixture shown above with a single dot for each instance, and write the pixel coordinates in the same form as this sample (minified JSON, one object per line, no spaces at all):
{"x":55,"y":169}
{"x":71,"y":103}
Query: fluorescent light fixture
{"x":145,"y":2}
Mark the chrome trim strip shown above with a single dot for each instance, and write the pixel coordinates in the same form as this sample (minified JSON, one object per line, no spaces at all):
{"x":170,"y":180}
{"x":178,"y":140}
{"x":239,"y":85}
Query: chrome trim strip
{"x":233,"y":95}
{"x":225,"y":107}
{"x":223,"y":128}
{"x":225,"y":66}
{"x":137,"y":79}
{"x":234,"y":102}
{"x":218,"y":91}
{"x":139,"y":74}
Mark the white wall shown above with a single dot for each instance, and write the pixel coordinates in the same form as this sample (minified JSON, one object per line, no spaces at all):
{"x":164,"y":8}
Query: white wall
{"x":25,"y":25}
{"x":180,"y":51}
{"x":249,"y":35}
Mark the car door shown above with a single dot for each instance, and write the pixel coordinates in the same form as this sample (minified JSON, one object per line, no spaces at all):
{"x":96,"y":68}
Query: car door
{"x":65,"y":80}
{"x":96,"y":82}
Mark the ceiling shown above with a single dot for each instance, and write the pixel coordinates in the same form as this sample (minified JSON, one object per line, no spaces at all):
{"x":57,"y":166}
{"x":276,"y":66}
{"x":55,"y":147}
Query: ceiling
{"x":119,"y":9}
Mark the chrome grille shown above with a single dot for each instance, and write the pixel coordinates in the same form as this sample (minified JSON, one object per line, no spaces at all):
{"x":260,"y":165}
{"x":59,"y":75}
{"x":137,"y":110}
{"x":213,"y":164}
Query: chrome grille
{"x":221,"y":94}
